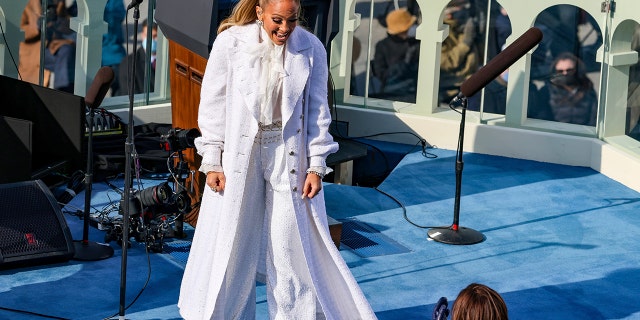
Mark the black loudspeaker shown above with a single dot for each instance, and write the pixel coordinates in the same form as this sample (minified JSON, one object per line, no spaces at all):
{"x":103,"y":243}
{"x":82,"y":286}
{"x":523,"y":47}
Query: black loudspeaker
{"x":15,"y":157}
{"x":57,"y":125}
{"x":32,"y":228}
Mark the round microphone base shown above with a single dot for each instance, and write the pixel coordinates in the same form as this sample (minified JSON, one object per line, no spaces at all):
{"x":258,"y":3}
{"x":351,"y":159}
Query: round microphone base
{"x":462,"y":236}
{"x":91,"y":251}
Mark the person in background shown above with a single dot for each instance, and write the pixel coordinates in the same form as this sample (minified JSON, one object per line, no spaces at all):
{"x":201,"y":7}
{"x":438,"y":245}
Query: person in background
{"x":565,"y":28}
{"x":60,"y":40}
{"x":113,"y":50}
{"x":479,"y":302}
{"x":495,"y":93}
{"x":264,"y":119}
{"x":395,"y":62}
{"x":459,"y":57}
{"x":495,"y":96}
{"x":140,"y":56}
{"x":568,"y":95}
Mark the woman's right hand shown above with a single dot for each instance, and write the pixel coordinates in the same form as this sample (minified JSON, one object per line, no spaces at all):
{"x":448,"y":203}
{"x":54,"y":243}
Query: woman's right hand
{"x":215,"y":181}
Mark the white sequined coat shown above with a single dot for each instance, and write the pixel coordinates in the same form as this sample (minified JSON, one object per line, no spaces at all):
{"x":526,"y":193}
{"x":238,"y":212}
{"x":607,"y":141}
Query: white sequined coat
{"x":228,"y":111}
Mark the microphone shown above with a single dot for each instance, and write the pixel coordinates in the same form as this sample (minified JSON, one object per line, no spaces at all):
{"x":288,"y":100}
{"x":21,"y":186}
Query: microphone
{"x":133,"y":4}
{"x":500,"y":63}
{"x":440,"y":311}
{"x":99,"y":87}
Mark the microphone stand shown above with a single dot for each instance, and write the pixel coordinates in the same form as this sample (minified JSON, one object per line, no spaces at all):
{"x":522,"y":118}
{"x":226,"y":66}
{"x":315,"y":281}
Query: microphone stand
{"x":85,"y":249}
{"x":455,"y":234}
{"x":128,"y":148}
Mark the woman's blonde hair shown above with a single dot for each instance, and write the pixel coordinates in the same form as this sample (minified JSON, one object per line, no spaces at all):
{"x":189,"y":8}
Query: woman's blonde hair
{"x":244,"y":12}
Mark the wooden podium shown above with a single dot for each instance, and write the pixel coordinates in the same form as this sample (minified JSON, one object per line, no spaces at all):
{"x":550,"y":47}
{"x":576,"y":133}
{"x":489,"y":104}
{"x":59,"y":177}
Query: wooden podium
{"x":190,"y":26}
{"x":186,"y":72}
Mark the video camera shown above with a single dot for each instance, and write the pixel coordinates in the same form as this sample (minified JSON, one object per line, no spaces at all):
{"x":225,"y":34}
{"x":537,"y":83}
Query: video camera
{"x":150,"y":214}
{"x":157,"y":200}
{"x":178,"y":139}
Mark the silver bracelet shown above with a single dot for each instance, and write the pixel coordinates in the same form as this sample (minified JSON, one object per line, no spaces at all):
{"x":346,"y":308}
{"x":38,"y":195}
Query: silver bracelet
{"x":319,"y":174}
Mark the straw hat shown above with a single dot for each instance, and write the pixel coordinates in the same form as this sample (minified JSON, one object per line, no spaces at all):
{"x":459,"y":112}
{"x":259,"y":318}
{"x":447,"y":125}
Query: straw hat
{"x":399,"y":21}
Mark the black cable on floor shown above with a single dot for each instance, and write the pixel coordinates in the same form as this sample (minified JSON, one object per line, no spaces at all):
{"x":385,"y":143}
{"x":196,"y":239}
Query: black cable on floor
{"x":404,"y":210}
{"x":422,"y":142}
{"x":146,"y":283}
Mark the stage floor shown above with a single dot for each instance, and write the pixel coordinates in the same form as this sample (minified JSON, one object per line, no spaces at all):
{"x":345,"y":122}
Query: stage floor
{"x":560,"y":242}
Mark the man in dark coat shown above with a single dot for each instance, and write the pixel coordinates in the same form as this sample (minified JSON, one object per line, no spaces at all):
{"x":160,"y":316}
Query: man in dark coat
{"x":395,"y":61}
{"x":140,"y":56}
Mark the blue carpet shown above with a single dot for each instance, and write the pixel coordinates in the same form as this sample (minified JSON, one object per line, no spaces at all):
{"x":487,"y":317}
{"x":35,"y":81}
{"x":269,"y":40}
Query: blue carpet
{"x":560,"y":243}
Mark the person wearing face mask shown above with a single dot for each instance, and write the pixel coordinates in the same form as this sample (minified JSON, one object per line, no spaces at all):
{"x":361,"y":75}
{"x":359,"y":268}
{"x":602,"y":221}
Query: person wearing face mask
{"x":459,"y":56}
{"x":568,"y":95}
{"x":264,"y":120}
{"x":140,"y":56}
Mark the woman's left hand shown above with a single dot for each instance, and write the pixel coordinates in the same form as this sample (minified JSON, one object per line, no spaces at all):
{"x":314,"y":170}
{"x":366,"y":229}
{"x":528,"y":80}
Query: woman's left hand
{"x":312,"y":185}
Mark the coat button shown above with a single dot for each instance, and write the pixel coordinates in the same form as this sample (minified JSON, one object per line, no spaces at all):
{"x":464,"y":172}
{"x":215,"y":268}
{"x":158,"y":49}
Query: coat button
{"x":291,"y":153}
{"x":298,"y":131}
{"x":294,"y":189}
{"x":293,"y":171}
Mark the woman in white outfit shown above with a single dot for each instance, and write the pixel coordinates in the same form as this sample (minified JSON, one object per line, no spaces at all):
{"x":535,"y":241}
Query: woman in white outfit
{"x":264,"y":121}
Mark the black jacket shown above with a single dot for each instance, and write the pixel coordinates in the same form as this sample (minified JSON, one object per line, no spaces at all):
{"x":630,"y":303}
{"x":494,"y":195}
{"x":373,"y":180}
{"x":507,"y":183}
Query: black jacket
{"x":125,"y":69}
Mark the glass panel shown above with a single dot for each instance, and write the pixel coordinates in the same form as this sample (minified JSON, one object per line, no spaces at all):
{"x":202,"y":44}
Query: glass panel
{"x":564,"y":67}
{"x":59,"y":45}
{"x":359,"y":51}
{"x":494,"y":96}
{"x":633,"y":101}
{"x":394,"y":66}
{"x":462,"y":51}
{"x":57,"y":66}
{"x":113,"y":50}
{"x":144,"y":68}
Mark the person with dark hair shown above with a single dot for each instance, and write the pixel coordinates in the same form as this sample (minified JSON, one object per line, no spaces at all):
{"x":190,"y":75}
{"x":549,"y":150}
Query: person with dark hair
{"x":565,"y":28}
{"x":479,"y":302}
{"x":395,"y":61}
{"x":264,"y":119}
{"x":568,"y":95}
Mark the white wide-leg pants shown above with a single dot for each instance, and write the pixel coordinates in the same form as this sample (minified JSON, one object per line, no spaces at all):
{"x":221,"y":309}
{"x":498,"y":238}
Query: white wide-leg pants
{"x":290,"y":291}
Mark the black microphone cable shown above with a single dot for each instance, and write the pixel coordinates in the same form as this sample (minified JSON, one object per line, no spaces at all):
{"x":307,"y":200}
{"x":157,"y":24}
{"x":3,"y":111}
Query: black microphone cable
{"x":404,"y":210}
{"x":146,"y":283}
{"x":422,"y":142}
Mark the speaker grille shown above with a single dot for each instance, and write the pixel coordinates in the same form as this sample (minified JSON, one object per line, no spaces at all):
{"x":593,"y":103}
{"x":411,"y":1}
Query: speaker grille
{"x":31,"y":225}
